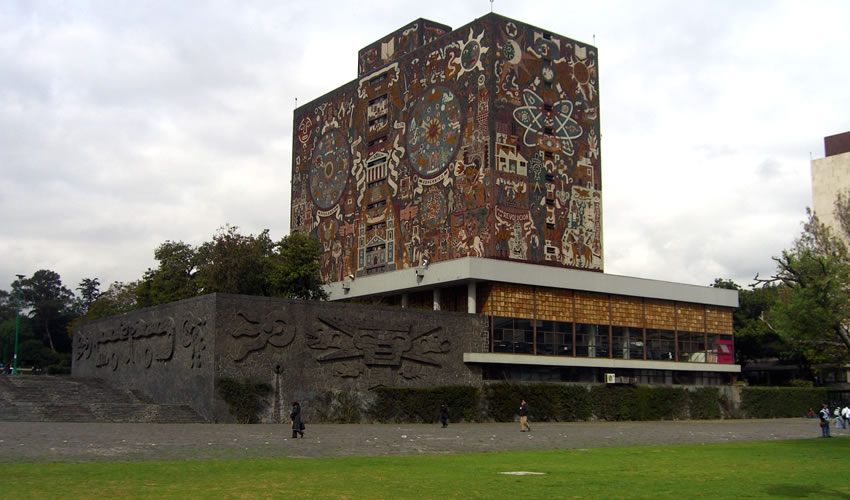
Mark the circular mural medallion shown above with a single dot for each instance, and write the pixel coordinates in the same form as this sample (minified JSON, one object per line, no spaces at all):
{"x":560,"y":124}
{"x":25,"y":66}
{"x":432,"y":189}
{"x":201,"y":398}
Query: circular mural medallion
{"x":434,"y":131}
{"x":329,"y":170}
{"x":581,"y":73}
{"x":433,"y":209}
{"x":512,"y":52}
{"x":469,"y":56}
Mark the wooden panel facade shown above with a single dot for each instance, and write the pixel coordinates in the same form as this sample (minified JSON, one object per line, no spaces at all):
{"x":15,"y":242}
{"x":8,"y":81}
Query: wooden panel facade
{"x":552,"y":304}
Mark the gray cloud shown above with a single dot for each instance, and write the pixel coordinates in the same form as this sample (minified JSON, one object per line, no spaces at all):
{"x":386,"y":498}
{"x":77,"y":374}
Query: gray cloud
{"x":123,"y":124}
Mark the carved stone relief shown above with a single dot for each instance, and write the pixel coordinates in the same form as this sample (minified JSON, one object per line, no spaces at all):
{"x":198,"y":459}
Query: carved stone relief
{"x":364,"y":344}
{"x":254,"y":334}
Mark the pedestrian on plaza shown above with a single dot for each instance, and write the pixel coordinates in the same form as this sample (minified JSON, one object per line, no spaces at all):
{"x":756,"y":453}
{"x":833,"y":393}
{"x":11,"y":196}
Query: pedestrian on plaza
{"x":845,"y":414}
{"x":444,"y":414}
{"x":523,"y":417}
{"x":837,"y":414}
{"x":811,"y":413}
{"x":297,"y":424}
{"x":824,"y":421}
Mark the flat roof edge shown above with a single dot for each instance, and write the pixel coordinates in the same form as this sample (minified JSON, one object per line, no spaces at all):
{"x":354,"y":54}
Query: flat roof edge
{"x":476,"y":269}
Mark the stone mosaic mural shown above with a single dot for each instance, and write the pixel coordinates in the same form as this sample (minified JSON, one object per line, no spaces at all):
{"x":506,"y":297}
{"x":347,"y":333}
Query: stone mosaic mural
{"x":482,"y":141}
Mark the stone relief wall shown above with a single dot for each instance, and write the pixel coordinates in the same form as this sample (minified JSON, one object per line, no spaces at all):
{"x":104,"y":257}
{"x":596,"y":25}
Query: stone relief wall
{"x":166,"y":352}
{"x":305,"y":349}
{"x":173,"y":353}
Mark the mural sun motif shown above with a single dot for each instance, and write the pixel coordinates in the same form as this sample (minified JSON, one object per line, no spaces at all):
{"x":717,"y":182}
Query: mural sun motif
{"x":329,"y":170}
{"x":434,"y":131}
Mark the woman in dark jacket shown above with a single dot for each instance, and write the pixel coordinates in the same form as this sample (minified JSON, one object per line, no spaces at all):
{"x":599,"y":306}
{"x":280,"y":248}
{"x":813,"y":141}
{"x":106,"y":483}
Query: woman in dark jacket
{"x":297,"y":424}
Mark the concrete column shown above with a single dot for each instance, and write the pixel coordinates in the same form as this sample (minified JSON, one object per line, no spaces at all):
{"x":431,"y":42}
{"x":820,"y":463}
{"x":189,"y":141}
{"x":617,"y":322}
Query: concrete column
{"x":471,"y":306}
{"x":436,"y":299}
{"x":405,"y":300}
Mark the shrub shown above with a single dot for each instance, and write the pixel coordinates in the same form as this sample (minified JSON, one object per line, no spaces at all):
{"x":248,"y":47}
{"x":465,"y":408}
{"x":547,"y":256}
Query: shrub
{"x":704,"y":403}
{"x":244,"y":399}
{"x":396,"y":404}
{"x":776,"y":402}
{"x":340,"y":407}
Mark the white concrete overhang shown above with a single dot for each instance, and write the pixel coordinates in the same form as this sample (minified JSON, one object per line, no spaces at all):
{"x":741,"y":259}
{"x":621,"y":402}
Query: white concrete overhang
{"x":458,"y":271}
{"x":637,"y":364}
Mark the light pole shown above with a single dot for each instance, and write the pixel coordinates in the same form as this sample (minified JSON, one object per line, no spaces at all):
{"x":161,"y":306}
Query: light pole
{"x":17,"y":326}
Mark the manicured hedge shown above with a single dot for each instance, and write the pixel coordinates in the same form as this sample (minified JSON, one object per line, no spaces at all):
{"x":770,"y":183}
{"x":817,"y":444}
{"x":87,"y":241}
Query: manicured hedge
{"x":704,"y":403}
{"x":564,"y":403}
{"x":779,"y":402}
{"x":393,"y":404}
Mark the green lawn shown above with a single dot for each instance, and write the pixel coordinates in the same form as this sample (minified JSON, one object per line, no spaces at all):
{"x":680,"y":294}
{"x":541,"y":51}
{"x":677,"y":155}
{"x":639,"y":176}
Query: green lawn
{"x":814,"y":468}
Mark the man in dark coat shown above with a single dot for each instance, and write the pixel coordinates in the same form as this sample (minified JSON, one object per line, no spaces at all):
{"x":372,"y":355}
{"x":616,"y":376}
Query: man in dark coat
{"x":297,"y":424}
{"x":444,"y":414}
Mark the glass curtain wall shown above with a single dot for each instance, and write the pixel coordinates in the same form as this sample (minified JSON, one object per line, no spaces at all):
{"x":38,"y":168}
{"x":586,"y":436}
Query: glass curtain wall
{"x":660,"y":344}
{"x":554,"y":338}
{"x":627,"y":342}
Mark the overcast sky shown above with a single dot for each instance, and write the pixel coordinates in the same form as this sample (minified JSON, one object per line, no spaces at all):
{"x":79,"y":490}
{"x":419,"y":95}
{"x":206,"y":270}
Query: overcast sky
{"x":124,"y":124}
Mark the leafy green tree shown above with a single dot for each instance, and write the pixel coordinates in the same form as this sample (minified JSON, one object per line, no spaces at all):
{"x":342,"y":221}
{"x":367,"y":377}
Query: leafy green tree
{"x":119,"y":298}
{"x":89,"y":289}
{"x":8,"y":305}
{"x":295,"y":268}
{"x":174,"y":278}
{"x":812,"y":309}
{"x":50,"y":306}
{"x":234,"y":263}
{"x":7,"y":336}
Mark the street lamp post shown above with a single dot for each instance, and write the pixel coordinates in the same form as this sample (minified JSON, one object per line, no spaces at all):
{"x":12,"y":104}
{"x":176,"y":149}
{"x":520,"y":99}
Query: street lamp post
{"x":17,"y":326}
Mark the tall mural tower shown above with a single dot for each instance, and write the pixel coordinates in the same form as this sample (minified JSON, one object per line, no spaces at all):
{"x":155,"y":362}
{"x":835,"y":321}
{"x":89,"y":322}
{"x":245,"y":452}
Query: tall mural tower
{"x":482,"y":141}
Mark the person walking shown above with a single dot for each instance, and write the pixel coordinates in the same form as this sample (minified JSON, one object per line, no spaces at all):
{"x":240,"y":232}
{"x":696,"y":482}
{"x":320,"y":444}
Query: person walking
{"x":297,"y":424}
{"x":824,"y":421}
{"x":523,"y":417}
{"x":444,"y":414}
{"x":836,"y":413}
{"x":845,"y":414}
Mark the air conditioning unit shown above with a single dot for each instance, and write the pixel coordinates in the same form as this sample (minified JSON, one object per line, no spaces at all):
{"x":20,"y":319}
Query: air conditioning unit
{"x":610,"y":378}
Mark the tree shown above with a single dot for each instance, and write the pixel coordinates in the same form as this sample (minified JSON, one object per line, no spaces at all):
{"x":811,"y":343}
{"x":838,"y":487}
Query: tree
{"x":294,"y":270}
{"x":173,"y":279}
{"x":812,"y":309}
{"x":51,"y":307}
{"x":89,"y":292}
{"x":119,"y":298}
{"x":234,"y":263}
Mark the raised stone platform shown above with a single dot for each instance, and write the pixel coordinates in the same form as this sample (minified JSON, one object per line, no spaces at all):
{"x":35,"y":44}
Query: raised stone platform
{"x":44,"y":398}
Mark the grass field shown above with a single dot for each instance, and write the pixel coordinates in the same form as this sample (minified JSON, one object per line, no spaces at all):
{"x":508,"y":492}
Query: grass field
{"x":797,"y":468}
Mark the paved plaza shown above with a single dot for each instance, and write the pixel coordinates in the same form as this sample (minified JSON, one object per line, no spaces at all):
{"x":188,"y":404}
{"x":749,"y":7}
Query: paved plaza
{"x":75,"y":442}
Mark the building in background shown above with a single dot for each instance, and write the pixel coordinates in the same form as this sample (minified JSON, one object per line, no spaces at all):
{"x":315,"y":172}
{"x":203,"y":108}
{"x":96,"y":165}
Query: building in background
{"x":461,"y":171}
{"x":831,"y":176}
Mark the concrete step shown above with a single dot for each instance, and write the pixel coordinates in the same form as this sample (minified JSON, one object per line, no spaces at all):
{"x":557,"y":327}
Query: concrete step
{"x":43,"y":398}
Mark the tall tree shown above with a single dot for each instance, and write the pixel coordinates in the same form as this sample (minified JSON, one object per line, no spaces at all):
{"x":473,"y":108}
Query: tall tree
{"x":89,"y":289}
{"x":51,"y":307}
{"x":295,"y":268}
{"x":812,"y":310}
{"x":117,"y":299}
{"x":234,"y":263}
{"x":173,"y":279}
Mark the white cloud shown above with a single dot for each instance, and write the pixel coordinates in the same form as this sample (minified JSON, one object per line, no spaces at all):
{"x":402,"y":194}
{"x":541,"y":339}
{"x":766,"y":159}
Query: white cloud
{"x":123,"y":124}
